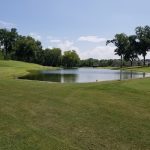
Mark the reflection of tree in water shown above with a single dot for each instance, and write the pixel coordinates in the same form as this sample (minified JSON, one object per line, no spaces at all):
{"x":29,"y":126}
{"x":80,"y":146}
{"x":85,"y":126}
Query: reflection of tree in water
{"x":43,"y":77}
{"x":120,"y":74}
{"x":72,"y":76}
{"x":69,"y":78}
{"x":130,"y":75}
{"x":126,"y":75}
{"x":53,"y":77}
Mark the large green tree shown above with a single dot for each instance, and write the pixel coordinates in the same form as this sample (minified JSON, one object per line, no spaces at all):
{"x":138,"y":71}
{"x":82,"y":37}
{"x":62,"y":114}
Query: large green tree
{"x":70,"y":59}
{"x":7,"y":40}
{"x":121,"y":42}
{"x":143,"y":35}
{"x":131,"y":52}
{"x":90,"y":62}
{"x":27,"y":49}
{"x":52,"y":57}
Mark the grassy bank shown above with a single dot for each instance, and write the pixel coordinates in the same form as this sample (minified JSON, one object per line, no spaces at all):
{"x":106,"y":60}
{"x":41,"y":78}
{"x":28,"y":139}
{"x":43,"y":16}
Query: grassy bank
{"x":138,"y":69}
{"x":43,"y":116}
{"x":135,"y":68}
{"x":13,"y":69}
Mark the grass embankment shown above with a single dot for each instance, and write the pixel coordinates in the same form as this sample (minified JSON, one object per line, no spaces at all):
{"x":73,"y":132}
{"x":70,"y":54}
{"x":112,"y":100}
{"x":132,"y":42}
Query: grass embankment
{"x":42,"y":116}
{"x":135,"y":68}
{"x":138,"y":69}
{"x":14,"y":69}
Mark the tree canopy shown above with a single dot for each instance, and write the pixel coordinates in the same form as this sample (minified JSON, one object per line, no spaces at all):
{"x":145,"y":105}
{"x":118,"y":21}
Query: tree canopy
{"x":26,"y":48}
{"x":121,"y":43}
{"x":130,"y":47}
{"x":52,"y":57}
{"x":70,"y":59}
{"x":7,"y":40}
{"x":143,"y":36}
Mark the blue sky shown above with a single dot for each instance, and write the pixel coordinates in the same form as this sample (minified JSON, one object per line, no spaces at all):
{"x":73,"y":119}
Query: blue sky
{"x":83,"y":25}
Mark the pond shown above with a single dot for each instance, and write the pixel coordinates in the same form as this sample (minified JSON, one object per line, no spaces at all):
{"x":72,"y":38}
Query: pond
{"x":83,"y":75}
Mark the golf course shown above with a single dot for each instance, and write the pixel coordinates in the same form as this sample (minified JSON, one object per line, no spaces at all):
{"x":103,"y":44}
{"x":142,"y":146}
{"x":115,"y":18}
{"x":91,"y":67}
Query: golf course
{"x":35,"y":115}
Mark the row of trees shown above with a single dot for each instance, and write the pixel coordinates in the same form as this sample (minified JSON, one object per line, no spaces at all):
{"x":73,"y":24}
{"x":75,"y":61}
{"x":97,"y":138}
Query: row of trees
{"x":130,"y":47}
{"x":25,"y":48}
{"x":108,"y":62}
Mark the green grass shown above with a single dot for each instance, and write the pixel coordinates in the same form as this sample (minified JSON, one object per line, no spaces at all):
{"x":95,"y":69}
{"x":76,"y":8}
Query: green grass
{"x":108,"y":67}
{"x":138,"y":69}
{"x":50,"y":116}
{"x":135,"y":68}
{"x":13,"y":69}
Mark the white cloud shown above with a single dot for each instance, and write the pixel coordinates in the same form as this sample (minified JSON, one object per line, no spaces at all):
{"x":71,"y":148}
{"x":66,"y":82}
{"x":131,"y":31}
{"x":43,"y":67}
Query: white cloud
{"x":67,"y":45}
{"x":100,"y":52}
{"x":148,"y":55}
{"x":50,"y":47}
{"x":35,"y":36}
{"x":94,"y":39}
{"x":64,"y":45}
{"x":4,"y":24}
{"x":97,"y":52}
{"x":55,"y":41}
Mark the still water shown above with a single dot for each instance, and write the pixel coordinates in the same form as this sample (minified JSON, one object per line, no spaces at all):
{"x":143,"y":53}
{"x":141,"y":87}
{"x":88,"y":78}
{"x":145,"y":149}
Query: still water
{"x":83,"y":75}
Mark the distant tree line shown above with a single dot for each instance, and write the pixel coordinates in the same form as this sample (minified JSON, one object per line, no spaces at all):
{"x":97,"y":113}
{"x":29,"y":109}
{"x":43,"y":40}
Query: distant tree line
{"x":25,"y":48}
{"x":130,"y":47}
{"x":108,"y":62}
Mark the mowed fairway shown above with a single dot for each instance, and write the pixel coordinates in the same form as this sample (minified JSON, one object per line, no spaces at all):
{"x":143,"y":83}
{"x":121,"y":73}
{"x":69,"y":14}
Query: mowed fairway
{"x":51,"y":116}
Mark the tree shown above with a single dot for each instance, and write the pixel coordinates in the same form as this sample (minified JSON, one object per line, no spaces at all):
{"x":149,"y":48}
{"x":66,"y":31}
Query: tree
{"x":7,"y":40}
{"x":89,"y":62}
{"x":52,"y":57}
{"x":39,"y":53}
{"x":131,"y":52}
{"x":121,"y":42}
{"x":70,"y":59}
{"x":143,"y":35}
{"x":1,"y":55}
{"x":27,"y":49}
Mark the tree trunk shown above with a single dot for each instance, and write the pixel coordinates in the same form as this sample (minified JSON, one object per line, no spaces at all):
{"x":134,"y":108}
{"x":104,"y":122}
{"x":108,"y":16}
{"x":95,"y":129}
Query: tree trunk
{"x":5,"y":54}
{"x":131,"y":63}
{"x":121,"y":61}
{"x":5,"y":51}
{"x":144,"y":60}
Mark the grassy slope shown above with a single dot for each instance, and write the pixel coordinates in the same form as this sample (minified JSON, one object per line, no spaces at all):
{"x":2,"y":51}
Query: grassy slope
{"x":39,"y":115}
{"x":139,"y":69}
{"x":136,"y":68}
{"x":13,"y":69}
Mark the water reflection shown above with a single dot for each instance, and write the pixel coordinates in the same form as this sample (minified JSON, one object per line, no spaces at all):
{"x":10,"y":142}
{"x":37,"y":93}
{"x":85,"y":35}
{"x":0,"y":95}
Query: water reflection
{"x":131,"y":75}
{"x":68,"y":78}
{"x":84,"y":75}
